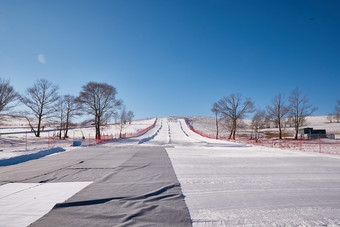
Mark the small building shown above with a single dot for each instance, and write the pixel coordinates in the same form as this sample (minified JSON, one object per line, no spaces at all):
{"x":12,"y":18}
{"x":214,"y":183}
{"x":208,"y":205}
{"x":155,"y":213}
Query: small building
{"x":305,"y":131}
{"x":310,"y":133}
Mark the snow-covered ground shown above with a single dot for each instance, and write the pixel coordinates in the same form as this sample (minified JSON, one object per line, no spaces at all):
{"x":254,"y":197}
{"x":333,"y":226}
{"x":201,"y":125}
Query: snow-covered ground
{"x":238,"y":186}
{"x":232,"y":184}
{"x":207,"y":125}
{"x":14,"y":132}
{"x":25,"y":203}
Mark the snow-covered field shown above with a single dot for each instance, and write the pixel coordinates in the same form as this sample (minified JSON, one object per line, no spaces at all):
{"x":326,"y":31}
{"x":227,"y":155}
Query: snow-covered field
{"x":16,"y":139}
{"x":208,"y":126}
{"x":232,"y":184}
{"x":253,"y":186}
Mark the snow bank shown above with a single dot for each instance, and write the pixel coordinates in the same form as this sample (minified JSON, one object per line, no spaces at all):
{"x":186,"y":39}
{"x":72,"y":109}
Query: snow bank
{"x":23,"y":203}
{"x":19,"y":157}
{"x":152,"y":136}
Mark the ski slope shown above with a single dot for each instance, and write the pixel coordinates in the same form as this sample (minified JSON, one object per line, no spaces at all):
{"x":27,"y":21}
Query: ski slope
{"x":229,"y":184}
{"x":173,"y":132}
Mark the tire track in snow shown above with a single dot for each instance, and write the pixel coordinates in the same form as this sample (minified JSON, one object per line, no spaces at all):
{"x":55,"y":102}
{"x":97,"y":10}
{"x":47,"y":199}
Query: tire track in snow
{"x":169,"y":133}
{"x":152,"y":136}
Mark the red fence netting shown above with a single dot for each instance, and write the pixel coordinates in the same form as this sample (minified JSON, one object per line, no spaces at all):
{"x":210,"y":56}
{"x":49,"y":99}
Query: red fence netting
{"x":50,"y":140}
{"x":320,"y":145}
{"x":111,"y":137}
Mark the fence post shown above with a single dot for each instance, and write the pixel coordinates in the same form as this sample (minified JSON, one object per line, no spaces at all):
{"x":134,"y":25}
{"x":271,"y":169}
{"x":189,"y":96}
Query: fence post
{"x":48,"y":139}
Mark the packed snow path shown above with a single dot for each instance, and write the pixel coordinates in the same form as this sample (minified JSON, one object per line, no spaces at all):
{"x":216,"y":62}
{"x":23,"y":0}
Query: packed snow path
{"x":228,"y":184}
{"x":224,"y":184}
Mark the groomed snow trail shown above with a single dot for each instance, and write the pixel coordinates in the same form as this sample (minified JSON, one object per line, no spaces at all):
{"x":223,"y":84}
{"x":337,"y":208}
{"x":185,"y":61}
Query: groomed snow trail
{"x":228,"y":184}
{"x":224,"y":183}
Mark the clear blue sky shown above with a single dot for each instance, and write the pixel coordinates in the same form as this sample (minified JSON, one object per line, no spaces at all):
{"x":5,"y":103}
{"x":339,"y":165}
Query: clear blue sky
{"x":176,"y":57}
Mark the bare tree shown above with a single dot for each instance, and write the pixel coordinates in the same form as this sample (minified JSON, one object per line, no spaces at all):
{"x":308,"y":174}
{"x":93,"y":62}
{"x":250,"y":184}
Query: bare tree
{"x":337,"y":107}
{"x":258,"y":121}
{"x":337,"y":117}
{"x":98,"y":100}
{"x":60,"y":115}
{"x":300,"y":109}
{"x":7,"y":95}
{"x":267,"y":122}
{"x":215,"y":110}
{"x":130,"y":115}
{"x":227,"y":124}
{"x":234,"y":110}
{"x":68,"y":108}
{"x":290,"y":120}
{"x":330,"y":118}
{"x":40,"y":99}
{"x":72,"y":109}
{"x":122,"y":116}
{"x":115,"y":116}
{"x":277,"y":111}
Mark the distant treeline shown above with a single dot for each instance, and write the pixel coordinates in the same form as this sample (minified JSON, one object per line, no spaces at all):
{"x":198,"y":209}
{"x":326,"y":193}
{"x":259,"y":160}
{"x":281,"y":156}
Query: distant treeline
{"x":43,"y":102}
{"x":232,"y":109}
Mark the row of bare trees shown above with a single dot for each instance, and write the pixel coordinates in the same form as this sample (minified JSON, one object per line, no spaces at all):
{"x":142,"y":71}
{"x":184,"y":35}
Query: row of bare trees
{"x":231,"y":110}
{"x":43,"y":102}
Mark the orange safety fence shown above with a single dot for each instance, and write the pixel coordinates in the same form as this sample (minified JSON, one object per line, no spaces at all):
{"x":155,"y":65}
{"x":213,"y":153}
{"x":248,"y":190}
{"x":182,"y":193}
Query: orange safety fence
{"x":198,"y":132}
{"x":112,"y":137}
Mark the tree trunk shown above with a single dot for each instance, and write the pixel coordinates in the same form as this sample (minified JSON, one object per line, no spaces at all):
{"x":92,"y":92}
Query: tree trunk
{"x":60,"y":130}
{"x":99,"y":127}
{"x":66,"y":132}
{"x":66,"y":126}
{"x":234,"y":129}
{"x":231,"y":133}
{"x":38,"y":129}
{"x":216,"y":127}
{"x":97,"y":132}
{"x":296,"y":132}
{"x":280,"y":131}
{"x":120,"y":130}
{"x":97,"y":124}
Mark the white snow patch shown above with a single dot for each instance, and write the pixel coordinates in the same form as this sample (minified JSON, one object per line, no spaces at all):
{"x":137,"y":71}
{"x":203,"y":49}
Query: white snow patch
{"x":23,"y":203}
{"x":230,"y":184}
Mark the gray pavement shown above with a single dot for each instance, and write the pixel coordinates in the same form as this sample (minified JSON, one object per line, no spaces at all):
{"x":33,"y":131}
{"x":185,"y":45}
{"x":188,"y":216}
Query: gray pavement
{"x":133,"y":186}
